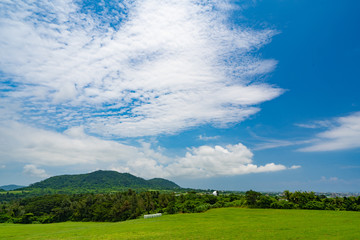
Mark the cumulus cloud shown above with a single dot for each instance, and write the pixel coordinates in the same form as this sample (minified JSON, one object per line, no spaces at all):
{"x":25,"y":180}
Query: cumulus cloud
{"x":206,"y":161}
{"x":141,"y":69}
{"x":73,"y":147}
{"x":343,"y":133}
{"x":33,"y":171}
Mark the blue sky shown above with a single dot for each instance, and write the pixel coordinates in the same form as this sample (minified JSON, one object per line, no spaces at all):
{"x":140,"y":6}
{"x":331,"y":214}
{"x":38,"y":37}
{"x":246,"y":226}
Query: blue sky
{"x":231,"y":95}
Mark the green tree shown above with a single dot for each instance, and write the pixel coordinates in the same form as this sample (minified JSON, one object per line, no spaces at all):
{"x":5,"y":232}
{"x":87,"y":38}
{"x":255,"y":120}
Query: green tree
{"x":251,"y":197}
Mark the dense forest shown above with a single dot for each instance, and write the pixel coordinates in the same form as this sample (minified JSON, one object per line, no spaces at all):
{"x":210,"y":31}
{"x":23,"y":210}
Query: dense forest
{"x":98,"y":182}
{"x":120,"y":206}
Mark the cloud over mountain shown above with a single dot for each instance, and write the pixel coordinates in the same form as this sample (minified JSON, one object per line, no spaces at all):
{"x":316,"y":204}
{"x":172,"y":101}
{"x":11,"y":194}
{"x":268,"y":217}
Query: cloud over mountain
{"x":77,"y":76}
{"x":40,"y":148}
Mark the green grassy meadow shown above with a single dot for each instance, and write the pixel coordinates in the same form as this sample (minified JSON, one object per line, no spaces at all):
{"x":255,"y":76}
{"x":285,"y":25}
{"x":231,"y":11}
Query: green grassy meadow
{"x":13,"y":192}
{"x":225,"y":223}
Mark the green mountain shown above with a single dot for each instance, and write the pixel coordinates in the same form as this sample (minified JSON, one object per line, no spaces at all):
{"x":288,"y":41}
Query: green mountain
{"x":10,"y":187}
{"x":101,"y":181}
{"x":162,"y":183}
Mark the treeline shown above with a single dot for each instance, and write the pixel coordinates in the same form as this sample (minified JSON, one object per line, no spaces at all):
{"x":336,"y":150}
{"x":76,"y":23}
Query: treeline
{"x":112,"y":207}
{"x":302,"y":200}
{"x":8,"y":196}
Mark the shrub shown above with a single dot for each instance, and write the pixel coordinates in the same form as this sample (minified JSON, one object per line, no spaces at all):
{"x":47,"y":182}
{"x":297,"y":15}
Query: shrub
{"x":315,"y":205}
{"x":5,"y":218}
{"x":202,"y":207}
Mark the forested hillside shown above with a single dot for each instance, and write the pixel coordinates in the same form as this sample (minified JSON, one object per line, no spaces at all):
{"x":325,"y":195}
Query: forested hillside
{"x":99,"y":181}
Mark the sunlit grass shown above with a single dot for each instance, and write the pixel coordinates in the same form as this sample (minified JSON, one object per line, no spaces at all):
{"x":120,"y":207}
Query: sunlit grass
{"x":227,"y":223}
{"x":13,"y":192}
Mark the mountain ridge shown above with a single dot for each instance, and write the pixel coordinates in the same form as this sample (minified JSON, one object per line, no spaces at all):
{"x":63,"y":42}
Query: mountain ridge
{"x":101,"y":180}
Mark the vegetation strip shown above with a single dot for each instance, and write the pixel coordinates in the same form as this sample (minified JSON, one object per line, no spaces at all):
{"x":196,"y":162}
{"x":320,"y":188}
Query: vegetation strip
{"x":121,"y":206}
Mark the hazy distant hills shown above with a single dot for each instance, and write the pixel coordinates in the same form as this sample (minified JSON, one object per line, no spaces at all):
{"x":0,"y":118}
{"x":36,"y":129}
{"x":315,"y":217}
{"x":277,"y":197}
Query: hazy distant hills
{"x":101,"y":180}
{"x":10,"y":187}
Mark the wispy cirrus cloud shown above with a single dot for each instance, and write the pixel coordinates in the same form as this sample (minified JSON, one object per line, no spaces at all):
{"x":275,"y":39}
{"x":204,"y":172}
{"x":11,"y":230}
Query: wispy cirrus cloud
{"x":264,"y":143}
{"x":342,"y":133}
{"x":74,"y":74}
{"x":273,"y":143}
{"x":207,"y":138}
{"x":138,"y":69}
{"x":330,"y":179}
{"x":315,"y":124}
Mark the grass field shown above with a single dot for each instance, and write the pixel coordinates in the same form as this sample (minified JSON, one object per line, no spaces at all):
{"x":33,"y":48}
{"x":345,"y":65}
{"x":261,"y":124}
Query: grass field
{"x":226,"y":223}
{"x":13,"y":192}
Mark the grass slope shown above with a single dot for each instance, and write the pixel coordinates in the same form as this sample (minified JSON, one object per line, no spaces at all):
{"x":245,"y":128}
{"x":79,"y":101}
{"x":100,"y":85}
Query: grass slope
{"x":226,"y":223}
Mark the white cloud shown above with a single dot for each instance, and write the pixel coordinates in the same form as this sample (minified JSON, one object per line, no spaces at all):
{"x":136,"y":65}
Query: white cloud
{"x":73,"y":147}
{"x":41,"y":147}
{"x":343,"y":134}
{"x":273,"y":143}
{"x":33,"y":171}
{"x":316,"y":124}
{"x":330,"y":179}
{"x":270,"y":143}
{"x":166,"y":67}
{"x":162,"y":69}
{"x":206,"y":138}
{"x":205,"y":162}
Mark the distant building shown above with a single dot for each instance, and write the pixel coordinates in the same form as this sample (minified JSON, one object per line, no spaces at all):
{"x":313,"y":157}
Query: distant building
{"x":215,"y":193}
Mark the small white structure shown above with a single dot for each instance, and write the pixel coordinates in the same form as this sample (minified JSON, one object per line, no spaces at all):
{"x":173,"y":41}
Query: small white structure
{"x":215,"y":193}
{"x":153,"y":215}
